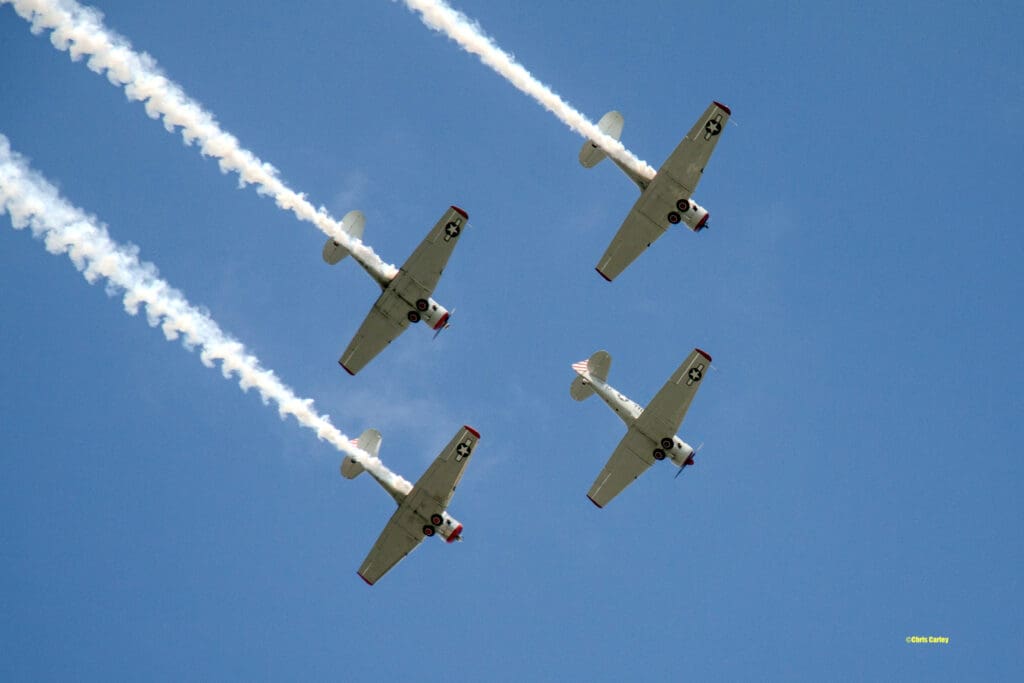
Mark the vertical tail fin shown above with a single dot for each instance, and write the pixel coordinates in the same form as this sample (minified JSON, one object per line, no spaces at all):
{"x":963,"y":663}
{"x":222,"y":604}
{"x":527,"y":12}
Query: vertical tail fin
{"x":593,"y":369}
{"x":611,"y":125}
{"x":352,"y":224}
{"x":368,"y":441}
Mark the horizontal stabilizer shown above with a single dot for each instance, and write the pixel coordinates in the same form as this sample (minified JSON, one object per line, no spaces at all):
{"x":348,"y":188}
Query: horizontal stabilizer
{"x":611,"y":125}
{"x":368,"y":441}
{"x":594,"y":368}
{"x":599,"y":364}
{"x":581,"y":389}
{"x":352,"y":225}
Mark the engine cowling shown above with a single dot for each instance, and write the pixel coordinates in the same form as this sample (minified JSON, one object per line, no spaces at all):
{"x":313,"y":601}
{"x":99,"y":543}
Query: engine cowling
{"x":692,"y":214}
{"x":450,"y":529}
{"x":681,"y":453}
{"x":432,"y":313}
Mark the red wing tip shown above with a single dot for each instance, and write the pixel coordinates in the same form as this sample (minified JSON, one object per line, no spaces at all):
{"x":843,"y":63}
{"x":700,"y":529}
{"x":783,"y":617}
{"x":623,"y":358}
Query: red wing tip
{"x":602,"y":274}
{"x":723,"y":108}
{"x":473,"y":432}
{"x":703,"y":353}
{"x":368,"y":582}
{"x":460,"y":212}
{"x":442,"y":321}
{"x":455,"y":534}
{"x":594,"y":501}
{"x":703,"y":222}
{"x":346,"y":369}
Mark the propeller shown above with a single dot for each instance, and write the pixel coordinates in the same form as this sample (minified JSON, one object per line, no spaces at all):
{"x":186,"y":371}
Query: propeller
{"x":692,"y":456}
{"x":447,"y":323}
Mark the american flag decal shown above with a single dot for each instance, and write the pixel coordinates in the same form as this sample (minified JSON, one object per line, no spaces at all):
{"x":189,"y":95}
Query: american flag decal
{"x":582,"y":367}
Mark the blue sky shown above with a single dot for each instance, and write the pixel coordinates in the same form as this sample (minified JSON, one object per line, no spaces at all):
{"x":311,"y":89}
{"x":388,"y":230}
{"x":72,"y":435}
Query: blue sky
{"x":859,"y":290}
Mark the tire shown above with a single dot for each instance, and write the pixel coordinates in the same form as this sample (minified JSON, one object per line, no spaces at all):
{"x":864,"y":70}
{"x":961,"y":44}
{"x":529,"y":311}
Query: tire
{"x":659,"y":454}
{"x":683,"y":205}
{"x":674,"y":217}
{"x":667,"y":443}
{"x":422,"y":305}
{"x":428,"y":530}
{"x":413,"y":316}
{"x":436,"y":519}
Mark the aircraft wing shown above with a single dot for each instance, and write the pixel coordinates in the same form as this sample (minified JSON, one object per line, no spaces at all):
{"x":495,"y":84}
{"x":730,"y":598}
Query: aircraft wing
{"x":385,"y":321}
{"x":630,"y":459}
{"x":663,"y":415}
{"x":634,"y":236}
{"x":437,"y":485}
{"x":399,"y":538}
{"x":686,"y":163}
{"x":425,"y":265}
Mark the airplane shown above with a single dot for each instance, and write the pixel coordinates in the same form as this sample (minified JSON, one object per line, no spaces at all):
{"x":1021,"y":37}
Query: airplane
{"x":651,"y":431}
{"x":665,"y":200}
{"x":406,"y":296}
{"x":422,"y":507}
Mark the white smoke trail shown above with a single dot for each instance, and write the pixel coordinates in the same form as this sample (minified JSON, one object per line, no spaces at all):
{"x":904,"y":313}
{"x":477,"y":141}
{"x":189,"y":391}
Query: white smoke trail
{"x":80,"y":31}
{"x":33,"y":202}
{"x":440,"y":16}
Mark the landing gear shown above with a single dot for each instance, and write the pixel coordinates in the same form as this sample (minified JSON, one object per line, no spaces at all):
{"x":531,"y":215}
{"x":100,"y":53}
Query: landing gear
{"x":413,"y":316}
{"x":673,"y":217}
{"x":659,"y":454}
{"x":422,"y":305}
{"x":667,"y":443}
{"x":683,"y":205}
{"x":428,"y":530}
{"x":436,"y":519}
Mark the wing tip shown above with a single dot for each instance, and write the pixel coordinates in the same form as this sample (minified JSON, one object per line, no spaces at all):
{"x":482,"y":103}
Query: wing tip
{"x":471,"y":431}
{"x":346,"y":369}
{"x":599,"y":506}
{"x":723,"y":107}
{"x":703,"y":353}
{"x":460,"y":212}
{"x":602,"y":274}
{"x":368,"y":582}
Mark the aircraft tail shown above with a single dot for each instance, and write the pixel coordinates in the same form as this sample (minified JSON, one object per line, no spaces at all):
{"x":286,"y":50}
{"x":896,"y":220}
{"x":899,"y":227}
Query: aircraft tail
{"x":352,"y":224}
{"x":593,"y":369}
{"x":611,"y":125}
{"x":368,"y":441}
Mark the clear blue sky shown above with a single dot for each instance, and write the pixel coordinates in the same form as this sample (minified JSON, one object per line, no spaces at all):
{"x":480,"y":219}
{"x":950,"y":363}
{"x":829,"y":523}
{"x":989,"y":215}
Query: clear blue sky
{"x":859,"y":289}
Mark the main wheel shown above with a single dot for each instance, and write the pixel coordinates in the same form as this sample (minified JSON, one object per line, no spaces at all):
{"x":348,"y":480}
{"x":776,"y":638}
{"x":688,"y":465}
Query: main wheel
{"x":413,"y":316}
{"x":436,"y":519}
{"x":673,"y":217}
{"x":422,"y":304}
{"x":667,"y":443}
{"x":659,"y":454}
{"x":683,"y":205}
{"x":428,"y":530}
